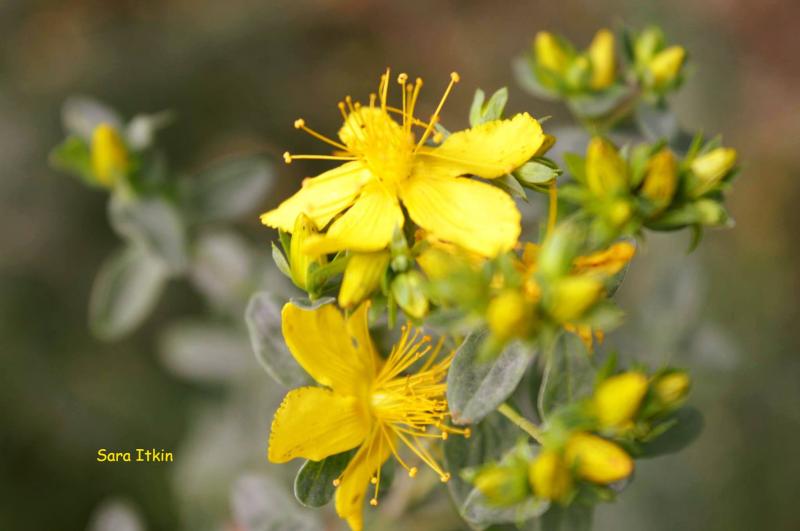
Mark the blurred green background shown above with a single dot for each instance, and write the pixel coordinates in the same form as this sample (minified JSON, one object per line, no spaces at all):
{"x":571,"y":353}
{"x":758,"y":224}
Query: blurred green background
{"x":237,"y":73}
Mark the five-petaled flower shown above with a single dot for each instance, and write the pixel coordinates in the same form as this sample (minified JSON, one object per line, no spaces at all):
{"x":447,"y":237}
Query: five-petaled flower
{"x":386,"y":163}
{"x":364,"y":401}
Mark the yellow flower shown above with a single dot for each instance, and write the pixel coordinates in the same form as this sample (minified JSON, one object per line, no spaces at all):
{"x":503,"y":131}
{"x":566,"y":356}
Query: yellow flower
{"x":661,"y":179}
{"x":617,"y":399}
{"x":601,"y":55}
{"x":386,"y":163}
{"x":671,"y":389}
{"x":606,"y":171}
{"x":363,"y":401}
{"x":709,"y":169}
{"x":550,"y":476}
{"x":109,"y":155}
{"x":362,"y":276}
{"x":666,"y":65}
{"x":596,"y":459}
{"x":550,"y":52}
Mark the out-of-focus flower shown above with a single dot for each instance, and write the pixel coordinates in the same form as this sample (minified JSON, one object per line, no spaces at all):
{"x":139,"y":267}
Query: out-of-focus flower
{"x":709,"y":169}
{"x":606,"y":171}
{"x":503,"y":485}
{"x":666,"y":65}
{"x":601,"y":55}
{"x":617,"y":399}
{"x":661,"y":179}
{"x":570,"y":297}
{"x":362,"y":276}
{"x":597,"y":460}
{"x":670,"y":389}
{"x":550,"y":52}
{"x":363,"y":401}
{"x":550,"y":476}
{"x":386,"y":163}
{"x":509,"y":314}
{"x":109,"y":155}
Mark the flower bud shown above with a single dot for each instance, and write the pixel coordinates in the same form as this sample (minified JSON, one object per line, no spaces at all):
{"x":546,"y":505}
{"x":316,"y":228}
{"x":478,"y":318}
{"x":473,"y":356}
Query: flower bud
{"x":606,"y":172}
{"x":408,"y":291}
{"x":109,"y":155}
{"x":550,"y":52}
{"x":601,"y":55}
{"x":710,"y":213}
{"x":666,"y":65}
{"x":503,"y":485}
{"x":362,"y":276}
{"x":671,"y":389}
{"x":617,"y":399}
{"x":596,"y":459}
{"x":619,"y":212}
{"x":509,"y":315}
{"x":661,"y":179}
{"x":647,"y":43}
{"x":549,"y":476}
{"x":709,"y":169}
{"x":572,"y":296}
{"x":300,"y":262}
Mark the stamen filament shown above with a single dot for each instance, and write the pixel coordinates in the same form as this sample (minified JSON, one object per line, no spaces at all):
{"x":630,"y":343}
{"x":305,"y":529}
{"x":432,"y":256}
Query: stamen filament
{"x":454,"y":78}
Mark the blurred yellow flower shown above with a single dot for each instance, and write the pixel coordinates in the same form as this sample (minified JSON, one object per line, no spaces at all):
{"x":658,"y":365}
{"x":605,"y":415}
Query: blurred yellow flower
{"x":550,"y":52}
{"x":109,"y":155}
{"x":363,"y":401}
{"x":671,"y":388}
{"x":601,"y":55}
{"x":661,"y":179}
{"x":596,"y":459}
{"x":617,"y":399}
{"x":709,"y":168}
{"x":606,"y":171}
{"x":666,"y":65}
{"x":550,"y":476}
{"x":386,"y":163}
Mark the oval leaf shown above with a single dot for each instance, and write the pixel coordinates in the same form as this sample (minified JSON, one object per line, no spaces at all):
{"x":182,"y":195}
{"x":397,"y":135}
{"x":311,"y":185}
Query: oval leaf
{"x":313,"y":485}
{"x":568,"y":375}
{"x":475,"y":387}
{"x":263,"y":317}
{"x":688,"y":425}
{"x":205,"y":351}
{"x":125,"y":291}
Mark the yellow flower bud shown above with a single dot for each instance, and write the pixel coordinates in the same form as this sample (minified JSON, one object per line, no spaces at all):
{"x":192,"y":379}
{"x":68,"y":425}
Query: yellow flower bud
{"x":620,"y":212}
{"x":362,"y":276}
{"x":601,"y":55}
{"x":608,"y":261}
{"x":550,"y":477}
{"x":550,"y":52}
{"x":709,"y":169}
{"x":503,"y":485}
{"x":661,"y":179}
{"x":509,"y":315}
{"x":596,"y":459}
{"x":709,"y":212}
{"x":647,"y":43}
{"x":666,"y":65}
{"x":109,"y":155}
{"x":617,"y":399}
{"x":671,"y":389}
{"x":299,"y":262}
{"x":606,"y":172}
{"x":572,"y":296}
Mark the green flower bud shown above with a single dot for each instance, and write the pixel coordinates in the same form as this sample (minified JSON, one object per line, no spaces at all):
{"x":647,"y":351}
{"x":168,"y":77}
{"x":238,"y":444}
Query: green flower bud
{"x":408,"y":291}
{"x":647,"y":43}
{"x":300,"y":262}
{"x":709,"y":169}
{"x":671,"y":389}
{"x":710,"y":213}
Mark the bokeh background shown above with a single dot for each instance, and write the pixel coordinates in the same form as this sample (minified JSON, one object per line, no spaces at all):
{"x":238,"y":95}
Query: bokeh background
{"x":237,"y":73}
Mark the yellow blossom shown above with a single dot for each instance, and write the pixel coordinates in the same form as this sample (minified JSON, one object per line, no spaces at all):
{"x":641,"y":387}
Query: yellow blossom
{"x":362,"y":401}
{"x":550,"y":477}
{"x":550,"y":52}
{"x":109,"y":155}
{"x":617,"y":399}
{"x":709,"y":168}
{"x":386,"y":163}
{"x":666,"y":65}
{"x":362,"y":276}
{"x":601,"y":55}
{"x":596,"y":459}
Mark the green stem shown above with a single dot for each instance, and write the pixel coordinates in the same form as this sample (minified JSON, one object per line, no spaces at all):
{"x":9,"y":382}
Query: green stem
{"x":521,"y":422}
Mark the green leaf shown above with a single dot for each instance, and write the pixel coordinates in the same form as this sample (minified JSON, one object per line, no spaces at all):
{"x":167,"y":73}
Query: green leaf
{"x":688,"y":425}
{"x":536,"y":173}
{"x":575,"y":517}
{"x":205,"y":351}
{"x":125,"y":291}
{"x":481,"y":112}
{"x":224,"y":268}
{"x":599,"y":104}
{"x":524,"y":73}
{"x":576,"y":166}
{"x":227,"y":189}
{"x":260,"y":503}
{"x":476,"y":109}
{"x":72,"y":156}
{"x":475,"y":387}
{"x":481,"y":514}
{"x":153,"y":223}
{"x":568,"y":375}
{"x":313,"y":485}
{"x":510,"y":185}
{"x":280,"y":261}
{"x":263,"y":318}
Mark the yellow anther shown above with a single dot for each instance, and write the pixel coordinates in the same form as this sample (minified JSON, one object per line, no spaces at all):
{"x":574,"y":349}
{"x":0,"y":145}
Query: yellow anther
{"x":337,"y":482}
{"x":437,"y":137}
{"x":373,"y":502}
{"x":374,"y":480}
{"x":299,"y":123}
{"x":287,"y":157}
{"x":444,"y":435}
{"x":402,"y":78}
{"x":455,"y":77}
{"x":412,"y":472}
{"x":467,"y":433}
{"x":445,"y":478}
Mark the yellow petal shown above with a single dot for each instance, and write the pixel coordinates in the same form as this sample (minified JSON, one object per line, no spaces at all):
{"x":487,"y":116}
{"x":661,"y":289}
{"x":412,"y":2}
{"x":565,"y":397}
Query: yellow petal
{"x":489,"y":150}
{"x":474,"y":215}
{"x":362,"y":276}
{"x":358,"y":328}
{"x":320,"y":342}
{"x":356,"y":479}
{"x":367,"y":226}
{"x":321,"y":197}
{"x":109,"y":155}
{"x":608,"y":261}
{"x":313,"y":423}
{"x":601,"y":55}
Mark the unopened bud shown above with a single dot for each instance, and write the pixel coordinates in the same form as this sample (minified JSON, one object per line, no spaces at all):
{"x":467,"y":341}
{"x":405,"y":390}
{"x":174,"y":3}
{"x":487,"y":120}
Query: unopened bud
{"x":596,"y":459}
{"x":503,"y":485}
{"x":300,"y":262}
{"x":709,"y":169}
{"x":617,"y":399}
{"x":606,"y":171}
{"x":601,"y":55}
{"x":661,"y":179}
{"x":550,"y":476}
{"x":671,"y":389}
{"x":572,"y":296}
{"x":666,"y":65}
{"x":550,"y":52}
{"x":362,"y":276}
{"x":109,"y":155}
{"x":408,"y":291}
{"x":509,"y":315}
